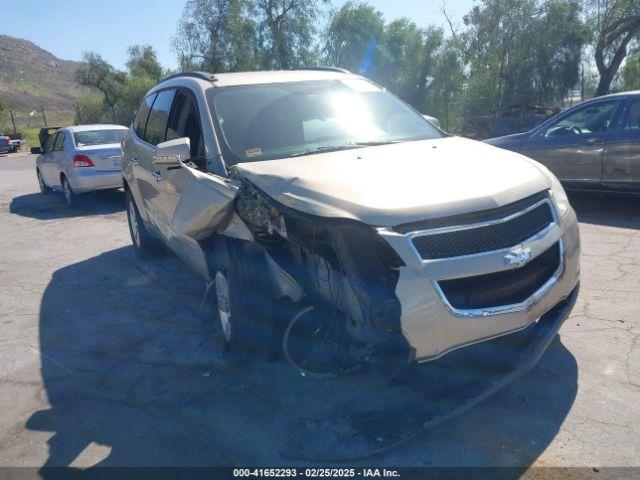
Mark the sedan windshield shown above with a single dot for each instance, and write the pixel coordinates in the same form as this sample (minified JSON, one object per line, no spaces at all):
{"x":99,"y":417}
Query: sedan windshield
{"x":264,"y":122}
{"x":98,"y":137}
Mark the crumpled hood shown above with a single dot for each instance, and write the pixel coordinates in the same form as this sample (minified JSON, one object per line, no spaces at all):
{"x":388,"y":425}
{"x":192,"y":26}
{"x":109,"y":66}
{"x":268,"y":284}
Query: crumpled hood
{"x":399,"y":183}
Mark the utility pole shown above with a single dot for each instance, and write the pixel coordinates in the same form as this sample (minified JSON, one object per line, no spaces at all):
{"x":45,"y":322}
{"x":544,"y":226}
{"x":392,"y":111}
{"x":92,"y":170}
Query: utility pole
{"x":44,"y":116}
{"x":13,"y":121}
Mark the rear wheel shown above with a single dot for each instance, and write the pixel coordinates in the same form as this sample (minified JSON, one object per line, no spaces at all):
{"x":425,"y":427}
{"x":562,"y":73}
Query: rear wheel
{"x":43,"y":186}
{"x":144,"y":244}
{"x":69,"y":196}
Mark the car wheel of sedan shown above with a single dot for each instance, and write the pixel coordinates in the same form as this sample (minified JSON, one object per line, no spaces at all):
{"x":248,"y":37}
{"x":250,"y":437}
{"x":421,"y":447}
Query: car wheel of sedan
{"x":43,"y":186}
{"x":144,"y":244}
{"x":69,"y":197}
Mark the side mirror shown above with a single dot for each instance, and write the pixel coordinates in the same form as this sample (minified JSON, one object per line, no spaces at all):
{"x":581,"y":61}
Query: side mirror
{"x":173,"y":152}
{"x":36,"y":150}
{"x":432,"y":120}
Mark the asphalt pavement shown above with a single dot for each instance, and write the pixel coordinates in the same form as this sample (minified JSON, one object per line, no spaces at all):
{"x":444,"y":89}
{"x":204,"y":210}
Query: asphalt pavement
{"x":105,"y":359}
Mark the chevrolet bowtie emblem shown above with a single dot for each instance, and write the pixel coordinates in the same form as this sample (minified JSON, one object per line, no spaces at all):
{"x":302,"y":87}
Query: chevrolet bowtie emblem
{"x":518,"y":257}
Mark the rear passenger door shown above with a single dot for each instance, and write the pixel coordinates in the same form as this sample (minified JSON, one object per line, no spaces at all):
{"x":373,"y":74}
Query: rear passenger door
{"x":47,"y":167}
{"x":621,"y":160}
{"x":58,"y":158}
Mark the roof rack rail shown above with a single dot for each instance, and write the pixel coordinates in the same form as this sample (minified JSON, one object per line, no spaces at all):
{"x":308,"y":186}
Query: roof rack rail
{"x":209,"y":77}
{"x":327,"y":69}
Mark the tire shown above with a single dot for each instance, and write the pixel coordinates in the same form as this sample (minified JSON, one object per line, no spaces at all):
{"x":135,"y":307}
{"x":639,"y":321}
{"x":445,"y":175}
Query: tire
{"x":69,"y":196}
{"x":243,"y":309}
{"x":145,"y":245}
{"x":43,"y":186}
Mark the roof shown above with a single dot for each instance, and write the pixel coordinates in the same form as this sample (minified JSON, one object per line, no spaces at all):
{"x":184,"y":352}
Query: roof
{"x":84,"y":128}
{"x":255,"y":78}
{"x":618,"y":94}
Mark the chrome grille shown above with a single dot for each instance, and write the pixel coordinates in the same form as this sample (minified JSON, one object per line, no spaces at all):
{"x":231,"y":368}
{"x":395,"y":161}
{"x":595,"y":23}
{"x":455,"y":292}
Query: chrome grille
{"x":485,"y":236}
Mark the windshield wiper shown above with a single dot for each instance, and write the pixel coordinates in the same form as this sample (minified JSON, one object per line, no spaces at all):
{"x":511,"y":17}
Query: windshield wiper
{"x":346,"y":146}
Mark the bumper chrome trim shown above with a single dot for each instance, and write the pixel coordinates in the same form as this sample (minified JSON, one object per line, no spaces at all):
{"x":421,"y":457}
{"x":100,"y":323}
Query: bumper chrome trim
{"x":537,"y":296}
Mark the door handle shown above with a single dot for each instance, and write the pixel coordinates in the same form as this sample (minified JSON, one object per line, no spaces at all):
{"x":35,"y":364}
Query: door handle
{"x":134,"y":161}
{"x":157,"y":176}
{"x":594,"y":141}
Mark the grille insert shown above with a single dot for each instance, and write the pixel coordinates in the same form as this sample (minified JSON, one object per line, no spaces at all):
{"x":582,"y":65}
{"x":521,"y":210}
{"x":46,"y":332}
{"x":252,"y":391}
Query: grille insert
{"x":502,"y":288}
{"x":485,"y":238}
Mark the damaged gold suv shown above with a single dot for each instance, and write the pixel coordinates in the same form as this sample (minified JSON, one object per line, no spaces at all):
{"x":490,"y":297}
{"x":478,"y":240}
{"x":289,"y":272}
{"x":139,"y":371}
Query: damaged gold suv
{"x":318,"y":205}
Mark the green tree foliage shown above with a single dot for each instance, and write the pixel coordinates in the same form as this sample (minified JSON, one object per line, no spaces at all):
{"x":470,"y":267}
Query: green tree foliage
{"x":353,"y":38}
{"x":521,"y":51}
{"x":119,"y":93}
{"x":2,"y":107}
{"x":631,"y":70}
{"x":143,"y":62}
{"x":217,"y":36}
{"x":616,"y":24}
{"x":232,"y":35}
{"x":286,"y":31}
{"x":97,"y":74}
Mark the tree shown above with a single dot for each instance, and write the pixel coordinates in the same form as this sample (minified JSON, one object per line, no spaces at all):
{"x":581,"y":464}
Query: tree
{"x":143,"y":62}
{"x":403,"y":50}
{"x":217,"y":36}
{"x":616,"y":24}
{"x":353,"y":38}
{"x":521,"y":51}
{"x":2,"y":107}
{"x":631,"y":70}
{"x":98,"y":74}
{"x":287,"y":31}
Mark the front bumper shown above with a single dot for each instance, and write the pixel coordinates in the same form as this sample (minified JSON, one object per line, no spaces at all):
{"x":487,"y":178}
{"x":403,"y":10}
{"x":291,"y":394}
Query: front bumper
{"x":433,"y":328}
{"x":84,"y":180}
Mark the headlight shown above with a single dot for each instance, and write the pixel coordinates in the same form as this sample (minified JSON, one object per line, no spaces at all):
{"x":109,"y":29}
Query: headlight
{"x":559,"y":196}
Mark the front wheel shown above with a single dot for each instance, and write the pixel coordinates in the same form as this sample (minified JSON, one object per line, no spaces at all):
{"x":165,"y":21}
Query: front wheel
{"x":244,"y":311}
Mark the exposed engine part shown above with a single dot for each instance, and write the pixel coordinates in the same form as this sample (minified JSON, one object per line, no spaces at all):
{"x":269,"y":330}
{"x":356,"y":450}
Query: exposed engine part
{"x":338,"y":264}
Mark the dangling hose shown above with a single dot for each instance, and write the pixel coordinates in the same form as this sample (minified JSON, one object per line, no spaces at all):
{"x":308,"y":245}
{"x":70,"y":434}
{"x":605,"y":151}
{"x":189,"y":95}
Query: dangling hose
{"x":285,"y":349}
{"x":285,"y":346}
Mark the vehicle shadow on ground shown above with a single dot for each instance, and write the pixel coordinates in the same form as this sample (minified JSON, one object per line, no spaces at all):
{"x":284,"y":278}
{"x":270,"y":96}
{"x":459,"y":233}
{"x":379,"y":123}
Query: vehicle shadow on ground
{"x":609,"y":209}
{"x":129,"y":365}
{"x":53,"y":206}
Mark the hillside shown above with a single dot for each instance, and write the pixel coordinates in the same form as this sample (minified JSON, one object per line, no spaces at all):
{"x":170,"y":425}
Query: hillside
{"x":31,"y":78}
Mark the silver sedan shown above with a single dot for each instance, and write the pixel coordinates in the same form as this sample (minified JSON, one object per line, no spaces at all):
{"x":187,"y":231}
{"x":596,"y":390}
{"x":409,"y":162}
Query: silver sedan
{"x":81,"y":159}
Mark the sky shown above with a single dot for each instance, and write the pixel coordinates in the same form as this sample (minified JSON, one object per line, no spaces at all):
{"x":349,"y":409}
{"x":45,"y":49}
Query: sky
{"x":69,"y":28}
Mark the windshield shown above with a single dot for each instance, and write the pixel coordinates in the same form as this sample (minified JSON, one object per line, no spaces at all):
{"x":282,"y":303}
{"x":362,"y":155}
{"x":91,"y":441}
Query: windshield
{"x":98,"y":137}
{"x":264,"y":122}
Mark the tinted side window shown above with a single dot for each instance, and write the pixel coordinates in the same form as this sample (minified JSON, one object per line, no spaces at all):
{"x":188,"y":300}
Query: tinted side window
{"x":632,"y":122}
{"x":592,"y":118}
{"x":159,"y":117}
{"x":59,"y":146}
{"x":140,"y":122}
{"x":185,"y":122}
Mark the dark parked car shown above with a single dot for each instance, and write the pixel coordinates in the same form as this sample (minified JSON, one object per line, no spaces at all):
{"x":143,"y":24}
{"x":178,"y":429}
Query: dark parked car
{"x":5,"y":144}
{"x":594,"y":145}
{"x":509,"y":120}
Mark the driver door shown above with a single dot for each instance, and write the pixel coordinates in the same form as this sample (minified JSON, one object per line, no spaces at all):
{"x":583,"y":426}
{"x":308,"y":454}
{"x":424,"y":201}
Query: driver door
{"x":572,"y":146}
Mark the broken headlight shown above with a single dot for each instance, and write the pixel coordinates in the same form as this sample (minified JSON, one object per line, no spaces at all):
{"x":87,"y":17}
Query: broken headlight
{"x":255,"y":208}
